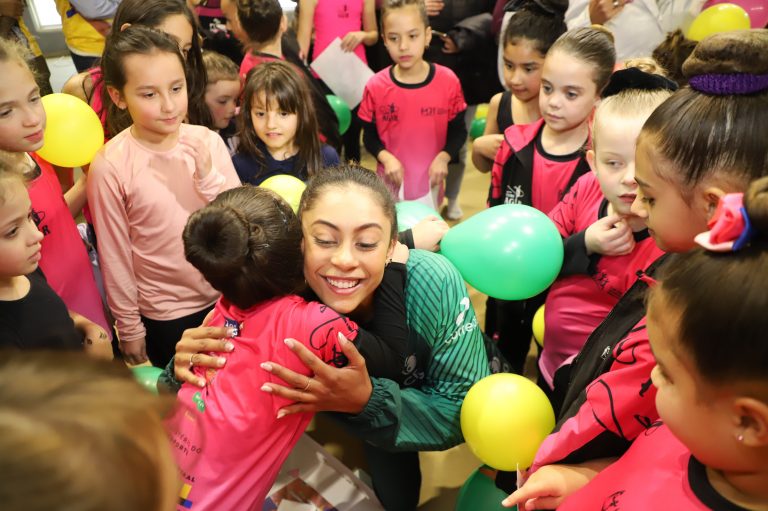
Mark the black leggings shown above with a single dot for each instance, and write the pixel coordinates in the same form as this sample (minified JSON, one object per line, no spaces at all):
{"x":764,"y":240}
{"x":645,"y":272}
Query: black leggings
{"x":162,"y":336}
{"x":396,"y":477}
{"x":510,"y":323}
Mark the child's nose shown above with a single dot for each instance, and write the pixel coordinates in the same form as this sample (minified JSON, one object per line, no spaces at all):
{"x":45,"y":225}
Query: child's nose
{"x":638,"y":207}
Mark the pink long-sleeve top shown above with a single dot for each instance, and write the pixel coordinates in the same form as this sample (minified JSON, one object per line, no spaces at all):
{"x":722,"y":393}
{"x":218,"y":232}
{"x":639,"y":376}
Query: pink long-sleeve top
{"x":140,"y":200}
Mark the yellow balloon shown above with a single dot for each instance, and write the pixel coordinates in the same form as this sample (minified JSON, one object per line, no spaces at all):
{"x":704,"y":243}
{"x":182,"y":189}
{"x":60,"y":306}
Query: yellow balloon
{"x":73,"y":133}
{"x":482,"y":111}
{"x":287,"y":187}
{"x":718,"y":18}
{"x":504,"y":418}
{"x":538,"y":326}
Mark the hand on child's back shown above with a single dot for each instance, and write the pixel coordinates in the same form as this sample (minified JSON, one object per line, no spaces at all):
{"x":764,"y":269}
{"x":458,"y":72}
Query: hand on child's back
{"x":609,"y":236}
{"x":200,"y":154}
{"x":400,"y":254}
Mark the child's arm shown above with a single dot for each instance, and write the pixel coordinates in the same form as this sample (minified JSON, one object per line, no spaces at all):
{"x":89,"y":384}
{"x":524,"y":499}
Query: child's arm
{"x":610,"y":236}
{"x":385,"y":340}
{"x":95,"y":339}
{"x":304,"y":30}
{"x":76,"y":196}
{"x":393,"y":169}
{"x":550,"y":485}
{"x":368,"y":35}
{"x":484,"y":148}
{"x":454,"y":141}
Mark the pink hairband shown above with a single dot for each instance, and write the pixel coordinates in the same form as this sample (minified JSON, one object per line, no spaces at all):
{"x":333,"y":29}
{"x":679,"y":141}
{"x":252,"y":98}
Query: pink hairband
{"x":729,"y":228}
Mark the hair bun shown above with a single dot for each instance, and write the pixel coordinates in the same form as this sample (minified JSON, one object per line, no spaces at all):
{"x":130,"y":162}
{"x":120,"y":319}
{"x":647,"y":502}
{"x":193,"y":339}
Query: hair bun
{"x":216,"y":241}
{"x":554,"y":8}
{"x":634,"y":78}
{"x":741,"y":51}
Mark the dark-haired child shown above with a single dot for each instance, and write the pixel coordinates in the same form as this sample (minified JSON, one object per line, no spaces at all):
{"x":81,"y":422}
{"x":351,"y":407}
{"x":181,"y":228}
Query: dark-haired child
{"x":412,"y":111}
{"x":232,"y":439}
{"x":278,"y":127}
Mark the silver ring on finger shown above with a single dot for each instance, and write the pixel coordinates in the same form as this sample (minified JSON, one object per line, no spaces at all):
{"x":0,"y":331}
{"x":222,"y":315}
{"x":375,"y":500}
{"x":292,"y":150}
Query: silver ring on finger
{"x":309,"y":381}
{"x":192,"y":361}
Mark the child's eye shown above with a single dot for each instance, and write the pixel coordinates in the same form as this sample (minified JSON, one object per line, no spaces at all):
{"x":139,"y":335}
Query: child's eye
{"x":648,"y":200}
{"x":148,"y":95}
{"x":258,"y":113}
{"x":11,"y":233}
{"x":571,"y":95}
{"x":5,"y":113}
{"x":34,"y":99}
{"x":177,"y":88}
{"x":546,"y":89}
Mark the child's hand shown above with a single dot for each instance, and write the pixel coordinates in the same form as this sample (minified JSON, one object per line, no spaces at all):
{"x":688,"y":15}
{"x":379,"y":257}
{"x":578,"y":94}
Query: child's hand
{"x":393,"y":169}
{"x":428,"y":232}
{"x":134,"y":352}
{"x":400,"y":254}
{"x":548,"y":487}
{"x":488,"y":145}
{"x":438,"y":169}
{"x":199,"y":153}
{"x":610,"y":236}
{"x":96,"y":341}
{"x":352,"y":40}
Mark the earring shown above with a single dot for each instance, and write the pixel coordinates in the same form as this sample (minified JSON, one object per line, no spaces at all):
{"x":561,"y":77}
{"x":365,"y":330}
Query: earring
{"x":740,"y":437}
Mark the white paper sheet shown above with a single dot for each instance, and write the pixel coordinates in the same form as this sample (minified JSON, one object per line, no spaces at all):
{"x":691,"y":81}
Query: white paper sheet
{"x":343,"y":72}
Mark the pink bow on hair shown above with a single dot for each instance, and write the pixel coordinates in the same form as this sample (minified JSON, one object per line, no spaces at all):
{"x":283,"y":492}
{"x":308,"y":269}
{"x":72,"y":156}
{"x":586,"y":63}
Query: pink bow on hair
{"x":729,"y":227}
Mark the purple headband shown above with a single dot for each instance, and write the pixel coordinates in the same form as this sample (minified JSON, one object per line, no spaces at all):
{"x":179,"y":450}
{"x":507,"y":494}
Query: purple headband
{"x":729,"y":84}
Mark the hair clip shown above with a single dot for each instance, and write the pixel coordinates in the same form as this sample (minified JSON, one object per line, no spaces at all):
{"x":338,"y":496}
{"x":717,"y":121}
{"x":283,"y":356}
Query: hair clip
{"x":650,"y":281}
{"x":729,"y":228}
{"x":729,"y":84}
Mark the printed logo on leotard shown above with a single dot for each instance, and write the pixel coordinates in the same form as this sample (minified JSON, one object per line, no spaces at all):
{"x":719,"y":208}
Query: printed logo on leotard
{"x":389,"y":112}
{"x":343,"y":11}
{"x":514,"y":195}
{"x":612,"y":502}
{"x":38,"y":217}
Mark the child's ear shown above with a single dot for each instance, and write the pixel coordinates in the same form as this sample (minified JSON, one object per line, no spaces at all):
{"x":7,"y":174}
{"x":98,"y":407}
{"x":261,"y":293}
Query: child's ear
{"x":124,"y":26}
{"x":591,"y":160}
{"x":712,"y":196}
{"x":116,"y":97}
{"x":302,"y":244}
{"x":428,"y":36}
{"x":752,"y":429}
{"x":283,"y":24}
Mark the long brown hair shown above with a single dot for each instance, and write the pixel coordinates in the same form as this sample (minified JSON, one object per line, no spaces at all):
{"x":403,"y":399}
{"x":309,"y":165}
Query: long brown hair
{"x":152,"y":14}
{"x":280,"y":82}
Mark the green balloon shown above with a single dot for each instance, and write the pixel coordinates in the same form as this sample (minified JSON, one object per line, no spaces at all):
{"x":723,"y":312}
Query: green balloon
{"x":479,"y":493}
{"x":343,"y":113}
{"x":511,"y":251}
{"x":477,"y":128}
{"x":409,"y":213}
{"x":147,"y":376}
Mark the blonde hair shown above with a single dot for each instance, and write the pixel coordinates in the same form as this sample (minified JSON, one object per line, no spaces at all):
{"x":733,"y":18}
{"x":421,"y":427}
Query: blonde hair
{"x":632,"y":103}
{"x":10,"y":170}
{"x":218,"y":67}
{"x":80,"y":434}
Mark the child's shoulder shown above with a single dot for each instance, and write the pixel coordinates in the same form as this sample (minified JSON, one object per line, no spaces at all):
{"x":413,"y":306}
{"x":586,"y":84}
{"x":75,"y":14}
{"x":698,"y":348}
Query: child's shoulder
{"x":443,"y":72}
{"x":199,"y":132}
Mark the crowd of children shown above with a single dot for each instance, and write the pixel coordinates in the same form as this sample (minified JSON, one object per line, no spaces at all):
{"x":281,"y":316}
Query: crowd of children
{"x":652,"y":357}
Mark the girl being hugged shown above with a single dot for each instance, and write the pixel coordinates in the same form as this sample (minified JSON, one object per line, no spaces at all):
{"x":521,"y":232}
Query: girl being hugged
{"x":538,"y":163}
{"x":710,"y":449}
{"x":248,"y":244}
{"x":64,"y":259}
{"x":702,"y":143}
{"x":527,"y":39}
{"x":412,"y":111}
{"x":278,"y":128}
{"x":143,"y":185}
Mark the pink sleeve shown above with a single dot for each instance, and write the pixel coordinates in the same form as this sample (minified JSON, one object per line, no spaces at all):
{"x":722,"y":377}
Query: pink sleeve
{"x":322,"y":326}
{"x":564,"y":214}
{"x":367,"y":110}
{"x":222,"y":175}
{"x":106,"y":198}
{"x":621,"y":402}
